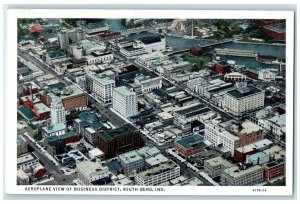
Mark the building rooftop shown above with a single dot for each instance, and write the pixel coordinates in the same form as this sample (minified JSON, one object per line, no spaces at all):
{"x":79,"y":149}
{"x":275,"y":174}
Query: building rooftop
{"x":24,"y":158}
{"x":148,"y":151}
{"x":61,"y":137}
{"x":246,"y":127}
{"x":256,"y":156}
{"x":193,"y":110}
{"x":89,"y":167}
{"x":278,"y":28}
{"x":96,"y":152}
{"x":66,"y":92}
{"x":56,"y":54}
{"x":278,"y":120}
{"x":125,"y":129}
{"x":113,"y":166}
{"x":218,"y":161}
{"x":191,"y":142}
{"x":235,"y":172}
{"x":255,"y":146}
{"x":130,"y":157}
{"x":42,"y":108}
{"x":166,"y":166}
{"x":55,"y":128}
{"x":274,"y":163}
{"x":26,"y":112}
{"x":156,"y":160}
{"x":275,"y":152}
{"x":22,"y":175}
{"x":102,"y":80}
{"x":123,"y":90}
{"x":243,"y":92}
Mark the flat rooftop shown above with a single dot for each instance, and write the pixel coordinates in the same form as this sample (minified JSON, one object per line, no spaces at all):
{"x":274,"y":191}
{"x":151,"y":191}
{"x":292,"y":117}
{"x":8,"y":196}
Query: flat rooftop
{"x":218,"y":161}
{"x":130,"y":157}
{"x":243,"y":92}
{"x":166,"y":166}
{"x":125,"y":129}
{"x":24,"y":158}
{"x":123,"y":90}
{"x":191,"y":142}
{"x":235,"y":172}
{"x":246,"y":127}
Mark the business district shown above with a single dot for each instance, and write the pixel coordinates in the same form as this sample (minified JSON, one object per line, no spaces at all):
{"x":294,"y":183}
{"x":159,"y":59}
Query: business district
{"x":95,"y":108}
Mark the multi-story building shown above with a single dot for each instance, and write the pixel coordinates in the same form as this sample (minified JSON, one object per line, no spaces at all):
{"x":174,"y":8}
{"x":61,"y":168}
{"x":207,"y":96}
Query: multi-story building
{"x":220,"y":137}
{"x":22,"y":178}
{"x":148,"y":83}
{"x":215,"y":166}
{"x":190,"y":145}
{"x":58,"y":114}
{"x":151,"y":44}
{"x":99,"y":57}
{"x":117,"y":141}
{"x":92,"y":172}
{"x":71,"y":96}
{"x":21,"y":145}
{"x":86,"y":47}
{"x":67,"y":37}
{"x":247,"y":131}
{"x":257,"y":158}
{"x":274,"y":169}
{"x":161,"y":173}
{"x":275,"y":125}
{"x":151,"y":58}
{"x":242,"y":100}
{"x":131,"y":162}
{"x":125,"y":101}
{"x":25,"y":161}
{"x":239,"y":176}
{"x":101,"y":87}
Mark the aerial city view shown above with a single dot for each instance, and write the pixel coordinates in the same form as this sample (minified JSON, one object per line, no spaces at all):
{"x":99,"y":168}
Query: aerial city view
{"x":151,"y":102}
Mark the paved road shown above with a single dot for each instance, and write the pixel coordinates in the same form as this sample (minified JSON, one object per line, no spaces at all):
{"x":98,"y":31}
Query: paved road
{"x":59,"y":177}
{"x":25,"y":55}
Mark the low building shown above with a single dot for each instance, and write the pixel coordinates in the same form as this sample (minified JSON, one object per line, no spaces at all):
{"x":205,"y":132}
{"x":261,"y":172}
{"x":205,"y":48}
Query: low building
{"x":22,"y":178}
{"x":215,"y":166}
{"x":96,"y":154}
{"x":25,"y":161}
{"x":267,"y":74}
{"x":275,"y":31}
{"x":94,"y":28}
{"x":190,"y":145}
{"x":274,"y":169}
{"x":174,"y":67}
{"x":99,"y":57}
{"x":121,"y":180}
{"x":148,"y":83}
{"x":22,"y":145}
{"x":69,"y":137}
{"x":117,"y":141}
{"x":151,"y":43}
{"x":276,"y":125}
{"x":235,"y":176}
{"x":92,"y":173}
{"x":158,"y":174}
{"x":222,"y":67}
{"x":54,"y":130}
{"x":152,"y":58}
{"x":155,"y":160}
{"x":257,"y":158}
{"x":131,"y":162}
{"x":241,"y":153}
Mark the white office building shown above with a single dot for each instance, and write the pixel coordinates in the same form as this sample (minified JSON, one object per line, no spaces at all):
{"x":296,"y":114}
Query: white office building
{"x":242,"y":100}
{"x":161,"y":173}
{"x":131,"y":162}
{"x":125,"y":101}
{"x":220,"y":137}
{"x":101,"y":87}
{"x":148,"y":83}
{"x":58,"y":114}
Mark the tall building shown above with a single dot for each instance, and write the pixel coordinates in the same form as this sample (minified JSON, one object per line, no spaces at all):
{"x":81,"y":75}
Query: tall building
{"x":67,"y":37}
{"x":58,"y":114}
{"x":220,"y":137}
{"x":101,"y":87}
{"x":125,"y":101}
{"x":21,"y":145}
{"x":242,"y":100}
{"x":117,"y":141}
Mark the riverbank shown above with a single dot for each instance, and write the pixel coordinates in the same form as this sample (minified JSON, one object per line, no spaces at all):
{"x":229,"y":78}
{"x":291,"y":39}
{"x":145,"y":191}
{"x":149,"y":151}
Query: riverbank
{"x":258,"y":43}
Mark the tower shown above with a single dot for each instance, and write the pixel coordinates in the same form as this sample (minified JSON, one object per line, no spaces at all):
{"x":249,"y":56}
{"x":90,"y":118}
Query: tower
{"x":58,"y":114}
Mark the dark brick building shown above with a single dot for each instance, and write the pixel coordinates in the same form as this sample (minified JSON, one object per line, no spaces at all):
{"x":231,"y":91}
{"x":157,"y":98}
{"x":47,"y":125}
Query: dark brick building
{"x":118,"y":141}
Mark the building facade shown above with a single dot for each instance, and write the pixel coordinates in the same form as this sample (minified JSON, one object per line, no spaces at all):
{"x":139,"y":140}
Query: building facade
{"x":240,"y":101}
{"x":125,"y":101}
{"x":131,"y":162}
{"x":162,"y":173}
{"x":117,"y":141}
{"x":215,"y":166}
{"x":91,"y":171}
{"x":235,"y":176}
{"x":22,"y":147}
{"x":58,"y":114}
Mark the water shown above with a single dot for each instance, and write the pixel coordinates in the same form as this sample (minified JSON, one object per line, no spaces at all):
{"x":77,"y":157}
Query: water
{"x":277,"y":51}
